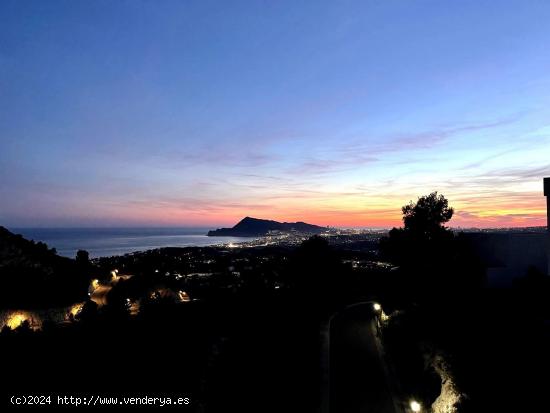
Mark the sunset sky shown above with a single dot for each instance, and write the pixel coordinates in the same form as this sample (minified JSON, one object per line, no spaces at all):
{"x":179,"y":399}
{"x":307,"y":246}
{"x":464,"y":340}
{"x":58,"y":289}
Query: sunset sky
{"x":198,"y":113}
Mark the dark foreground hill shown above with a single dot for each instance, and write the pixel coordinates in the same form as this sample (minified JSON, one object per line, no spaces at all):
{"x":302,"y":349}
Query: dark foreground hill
{"x":254,"y":227}
{"x":32,"y":275}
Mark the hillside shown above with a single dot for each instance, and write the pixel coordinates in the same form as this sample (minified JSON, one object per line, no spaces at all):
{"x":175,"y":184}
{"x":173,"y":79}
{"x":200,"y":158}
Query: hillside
{"x":33,"y":276}
{"x":254,"y":227}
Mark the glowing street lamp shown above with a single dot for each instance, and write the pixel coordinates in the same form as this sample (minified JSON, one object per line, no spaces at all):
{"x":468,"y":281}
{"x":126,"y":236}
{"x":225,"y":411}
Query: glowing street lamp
{"x":15,"y":320}
{"x":75,"y":309}
{"x":377,"y":307}
{"x":415,"y":406}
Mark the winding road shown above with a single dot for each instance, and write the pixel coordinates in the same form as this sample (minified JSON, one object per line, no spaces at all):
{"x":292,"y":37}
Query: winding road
{"x":99,"y":295}
{"x":358,"y":377}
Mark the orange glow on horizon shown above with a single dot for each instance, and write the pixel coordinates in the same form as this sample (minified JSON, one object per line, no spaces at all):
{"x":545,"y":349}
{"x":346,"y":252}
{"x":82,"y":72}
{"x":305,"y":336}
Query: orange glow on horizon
{"x":473,"y":208}
{"x":507,"y":217}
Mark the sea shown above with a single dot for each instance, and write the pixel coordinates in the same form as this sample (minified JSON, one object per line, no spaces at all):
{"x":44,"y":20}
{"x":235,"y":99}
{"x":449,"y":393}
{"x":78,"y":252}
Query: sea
{"x":106,"y":242}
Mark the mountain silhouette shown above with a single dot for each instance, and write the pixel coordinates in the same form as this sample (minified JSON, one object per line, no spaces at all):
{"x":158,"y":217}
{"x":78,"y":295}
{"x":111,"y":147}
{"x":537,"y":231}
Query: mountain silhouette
{"x":254,"y":227}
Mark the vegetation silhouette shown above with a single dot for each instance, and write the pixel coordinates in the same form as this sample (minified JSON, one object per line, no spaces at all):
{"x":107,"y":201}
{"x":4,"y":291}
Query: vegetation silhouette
{"x":34,"y":276}
{"x":423,"y":241}
{"x":83,"y":264}
{"x":248,"y":339}
{"x":431,"y":258}
{"x":492,"y":340}
{"x":316,"y":274}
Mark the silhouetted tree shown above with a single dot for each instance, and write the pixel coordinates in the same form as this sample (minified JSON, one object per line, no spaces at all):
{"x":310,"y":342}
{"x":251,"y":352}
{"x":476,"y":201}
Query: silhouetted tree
{"x":83,"y":264}
{"x":429,"y":254}
{"x":427,"y":216}
{"x":424,"y":240}
{"x":316,"y":271}
{"x":82,"y":257}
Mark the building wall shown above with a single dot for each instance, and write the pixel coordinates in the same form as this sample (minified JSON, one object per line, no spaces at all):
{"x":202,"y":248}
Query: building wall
{"x":510,"y":255}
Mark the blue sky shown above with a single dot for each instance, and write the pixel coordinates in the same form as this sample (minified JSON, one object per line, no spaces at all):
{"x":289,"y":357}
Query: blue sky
{"x":199,"y":113}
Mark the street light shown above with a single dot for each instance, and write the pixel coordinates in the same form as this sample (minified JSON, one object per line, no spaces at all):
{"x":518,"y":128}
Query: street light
{"x":377,"y":307}
{"x":415,"y":406}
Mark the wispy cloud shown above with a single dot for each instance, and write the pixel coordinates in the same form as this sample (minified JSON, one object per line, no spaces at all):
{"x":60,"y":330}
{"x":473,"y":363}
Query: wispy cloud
{"x":419,"y":140}
{"x":348,"y":155}
{"x":518,"y":174}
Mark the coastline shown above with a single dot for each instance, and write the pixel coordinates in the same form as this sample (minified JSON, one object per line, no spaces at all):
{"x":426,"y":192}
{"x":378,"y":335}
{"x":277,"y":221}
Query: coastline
{"x":106,"y":242}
